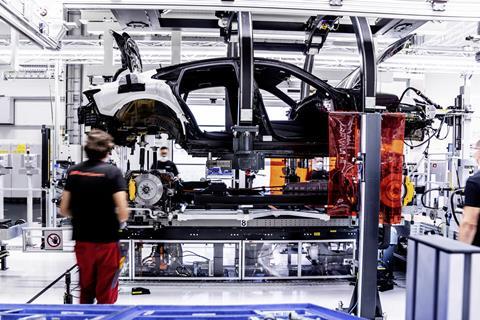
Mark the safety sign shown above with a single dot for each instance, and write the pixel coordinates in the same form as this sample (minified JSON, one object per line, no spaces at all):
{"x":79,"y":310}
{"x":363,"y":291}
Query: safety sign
{"x":53,"y":240}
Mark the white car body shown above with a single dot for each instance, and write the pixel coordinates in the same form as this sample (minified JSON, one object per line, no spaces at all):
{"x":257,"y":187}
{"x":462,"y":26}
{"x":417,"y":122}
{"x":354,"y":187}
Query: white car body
{"x":109,"y":101}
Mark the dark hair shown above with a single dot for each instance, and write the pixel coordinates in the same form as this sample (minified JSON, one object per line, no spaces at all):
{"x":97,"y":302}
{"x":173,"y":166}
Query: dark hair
{"x":98,"y":145}
{"x":163,"y":148}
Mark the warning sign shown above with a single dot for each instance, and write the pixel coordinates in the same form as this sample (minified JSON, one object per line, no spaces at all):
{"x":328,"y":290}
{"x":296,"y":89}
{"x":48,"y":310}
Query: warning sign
{"x":53,"y":240}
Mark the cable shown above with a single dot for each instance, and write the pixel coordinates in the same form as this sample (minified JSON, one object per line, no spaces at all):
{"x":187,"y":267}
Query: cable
{"x":405,"y":92}
{"x":422,"y":198}
{"x":195,"y":254}
{"x":446,"y":135}
{"x":422,"y":143}
{"x":421,"y":95}
{"x":452,"y":204}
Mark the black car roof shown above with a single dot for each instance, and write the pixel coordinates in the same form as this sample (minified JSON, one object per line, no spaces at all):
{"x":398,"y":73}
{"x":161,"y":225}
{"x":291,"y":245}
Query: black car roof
{"x":271,"y":62}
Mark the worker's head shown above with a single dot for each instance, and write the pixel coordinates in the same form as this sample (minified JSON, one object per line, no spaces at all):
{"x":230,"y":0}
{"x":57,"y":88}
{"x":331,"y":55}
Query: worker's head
{"x":163,"y":154}
{"x":476,"y":152}
{"x":317,"y":164}
{"x":98,"y":145}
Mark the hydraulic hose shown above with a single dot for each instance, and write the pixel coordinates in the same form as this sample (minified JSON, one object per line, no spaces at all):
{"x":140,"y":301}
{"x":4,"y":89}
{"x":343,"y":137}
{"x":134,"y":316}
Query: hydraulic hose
{"x":452,"y":204}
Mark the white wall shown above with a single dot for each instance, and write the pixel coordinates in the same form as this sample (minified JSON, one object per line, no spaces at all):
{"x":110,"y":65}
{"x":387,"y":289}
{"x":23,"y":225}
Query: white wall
{"x":32,"y":108}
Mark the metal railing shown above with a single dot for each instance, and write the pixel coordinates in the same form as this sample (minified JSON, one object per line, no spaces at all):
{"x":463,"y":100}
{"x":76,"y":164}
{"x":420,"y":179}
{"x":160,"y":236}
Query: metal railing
{"x":68,"y":297}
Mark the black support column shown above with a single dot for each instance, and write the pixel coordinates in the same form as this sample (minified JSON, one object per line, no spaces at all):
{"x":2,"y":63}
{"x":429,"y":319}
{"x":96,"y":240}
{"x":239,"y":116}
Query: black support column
{"x":368,"y":304}
{"x":45,"y":171}
{"x":245,"y":96}
{"x":244,"y":132}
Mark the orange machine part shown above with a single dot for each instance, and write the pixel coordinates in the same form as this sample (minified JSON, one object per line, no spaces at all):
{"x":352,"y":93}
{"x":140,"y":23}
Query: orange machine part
{"x":391,"y":175}
{"x":277,"y":173}
{"x":343,"y":147}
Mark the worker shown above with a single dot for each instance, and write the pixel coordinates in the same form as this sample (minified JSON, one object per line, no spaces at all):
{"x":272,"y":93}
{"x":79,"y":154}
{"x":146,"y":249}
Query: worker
{"x":318,"y":170}
{"x":165,"y":164}
{"x":95,"y":198}
{"x":468,"y":232}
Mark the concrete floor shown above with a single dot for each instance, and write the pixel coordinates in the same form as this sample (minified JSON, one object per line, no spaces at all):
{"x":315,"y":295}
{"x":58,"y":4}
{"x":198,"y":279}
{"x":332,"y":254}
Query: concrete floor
{"x":28,"y":273}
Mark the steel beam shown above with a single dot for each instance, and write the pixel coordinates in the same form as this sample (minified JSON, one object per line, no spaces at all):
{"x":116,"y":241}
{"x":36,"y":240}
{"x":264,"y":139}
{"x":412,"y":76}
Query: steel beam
{"x":462,"y":10}
{"x":19,"y":22}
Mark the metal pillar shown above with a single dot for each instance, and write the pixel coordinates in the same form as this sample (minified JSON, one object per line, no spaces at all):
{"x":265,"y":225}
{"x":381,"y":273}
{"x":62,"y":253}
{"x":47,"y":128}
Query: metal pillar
{"x":14,"y":45}
{"x":307,"y":66}
{"x":108,"y":67}
{"x":45,"y":178}
{"x":368,"y":304}
{"x":176,"y":47}
{"x":29,"y":199}
{"x":232,"y":51}
{"x":245,"y":97}
{"x":68,"y":297}
{"x":369,"y":212}
{"x":245,"y":158}
{"x":466,"y":124}
{"x":74,"y":85}
{"x":231,"y":118}
{"x":3,"y":256}
{"x":2,"y":209}
{"x":56,"y":139}
{"x":368,"y":67}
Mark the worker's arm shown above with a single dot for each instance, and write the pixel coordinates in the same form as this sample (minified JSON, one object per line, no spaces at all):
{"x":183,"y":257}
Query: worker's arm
{"x":65,"y":204}
{"x":468,"y":226}
{"x":175,"y":172}
{"x":120,"y":200}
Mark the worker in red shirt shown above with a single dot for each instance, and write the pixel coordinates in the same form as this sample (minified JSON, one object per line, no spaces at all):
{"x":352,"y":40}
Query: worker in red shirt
{"x":95,"y":198}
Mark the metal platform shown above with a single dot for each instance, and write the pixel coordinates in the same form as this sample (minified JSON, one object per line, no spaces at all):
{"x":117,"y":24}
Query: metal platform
{"x":237,"y":260}
{"x":84,"y":312}
{"x":12,"y":232}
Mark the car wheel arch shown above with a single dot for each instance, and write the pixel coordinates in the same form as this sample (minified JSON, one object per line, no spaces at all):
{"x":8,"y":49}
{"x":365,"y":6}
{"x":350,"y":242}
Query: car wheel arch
{"x":162,"y":108}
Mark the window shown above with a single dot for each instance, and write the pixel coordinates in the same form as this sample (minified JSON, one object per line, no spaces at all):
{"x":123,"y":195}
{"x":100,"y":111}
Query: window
{"x":210,"y":93}
{"x":276,"y":108}
{"x":280,"y":90}
{"x":208,"y":108}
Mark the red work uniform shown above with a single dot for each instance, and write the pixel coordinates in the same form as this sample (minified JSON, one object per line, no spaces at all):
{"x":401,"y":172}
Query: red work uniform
{"x":95,"y":228}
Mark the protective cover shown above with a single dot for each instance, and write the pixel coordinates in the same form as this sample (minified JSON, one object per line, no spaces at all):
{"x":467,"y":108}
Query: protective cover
{"x":391,"y":176}
{"x":344,"y":146}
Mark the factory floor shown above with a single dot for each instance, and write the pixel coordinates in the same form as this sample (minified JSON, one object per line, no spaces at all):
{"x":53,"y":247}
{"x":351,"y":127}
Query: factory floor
{"x":28,"y":273}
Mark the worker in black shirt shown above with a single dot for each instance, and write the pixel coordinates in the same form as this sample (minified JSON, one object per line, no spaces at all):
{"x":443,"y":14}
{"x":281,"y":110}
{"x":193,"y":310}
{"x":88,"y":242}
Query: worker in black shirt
{"x":95,"y":198}
{"x":468,"y":232}
{"x":163,"y":164}
{"x":318,"y":170}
